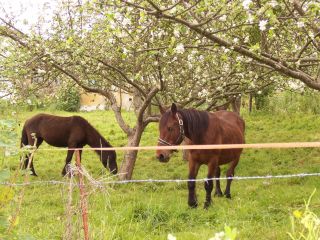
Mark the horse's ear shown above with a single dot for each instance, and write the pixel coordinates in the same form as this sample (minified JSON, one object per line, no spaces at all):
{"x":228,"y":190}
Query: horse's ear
{"x":174,"y":108}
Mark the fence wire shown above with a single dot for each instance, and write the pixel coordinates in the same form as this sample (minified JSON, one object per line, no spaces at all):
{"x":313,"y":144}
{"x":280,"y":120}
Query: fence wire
{"x":180,"y":147}
{"x":100,"y":183}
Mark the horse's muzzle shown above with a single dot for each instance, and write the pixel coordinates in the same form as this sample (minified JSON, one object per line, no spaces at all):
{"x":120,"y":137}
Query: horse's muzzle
{"x":162,"y":158}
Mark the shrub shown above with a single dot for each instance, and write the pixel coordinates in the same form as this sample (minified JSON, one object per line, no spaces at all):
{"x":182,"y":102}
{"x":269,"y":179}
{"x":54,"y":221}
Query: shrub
{"x":68,"y":98}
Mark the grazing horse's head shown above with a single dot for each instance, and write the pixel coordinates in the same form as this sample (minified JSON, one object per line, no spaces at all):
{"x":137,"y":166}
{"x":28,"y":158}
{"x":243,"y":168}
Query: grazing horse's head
{"x":108,"y":159}
{"x":171,"y":132}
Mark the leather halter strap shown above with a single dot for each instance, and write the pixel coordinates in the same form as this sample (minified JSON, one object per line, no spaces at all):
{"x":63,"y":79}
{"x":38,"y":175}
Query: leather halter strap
{"x":181,"y":134}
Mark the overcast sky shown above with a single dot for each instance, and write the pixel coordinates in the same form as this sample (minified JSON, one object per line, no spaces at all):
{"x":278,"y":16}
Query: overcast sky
{"x":27,"y":9}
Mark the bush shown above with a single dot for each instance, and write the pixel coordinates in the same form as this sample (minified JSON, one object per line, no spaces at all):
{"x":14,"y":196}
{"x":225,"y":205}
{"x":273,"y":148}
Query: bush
{"x":68,"y":98}
{"x":307,"y":101}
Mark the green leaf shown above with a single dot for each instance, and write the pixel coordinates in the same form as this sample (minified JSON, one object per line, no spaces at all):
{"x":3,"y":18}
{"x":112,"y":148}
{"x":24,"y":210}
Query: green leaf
{"x":69,"y":41}
{"x":255,"y":47}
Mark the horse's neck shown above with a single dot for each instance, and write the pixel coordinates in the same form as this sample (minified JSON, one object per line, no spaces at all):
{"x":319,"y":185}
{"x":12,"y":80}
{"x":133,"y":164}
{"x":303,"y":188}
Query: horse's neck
{"x":94,"y":138}
{"x":194,"y":131}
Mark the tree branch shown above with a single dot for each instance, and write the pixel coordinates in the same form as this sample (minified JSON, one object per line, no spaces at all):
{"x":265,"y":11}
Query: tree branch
{"x":146,"y":103}
{"x":278,"y":66}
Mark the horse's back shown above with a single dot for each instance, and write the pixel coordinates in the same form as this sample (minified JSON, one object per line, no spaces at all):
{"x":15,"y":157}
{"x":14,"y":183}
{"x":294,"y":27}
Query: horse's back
{"x":231,"y":122}
{"x":55,"y":130}
{"x":229,"y":129}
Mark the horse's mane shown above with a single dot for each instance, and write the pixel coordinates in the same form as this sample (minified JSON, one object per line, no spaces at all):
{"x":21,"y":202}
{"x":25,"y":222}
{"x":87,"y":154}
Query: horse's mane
{"x":95,"y":139}
{"x":196,"y":123}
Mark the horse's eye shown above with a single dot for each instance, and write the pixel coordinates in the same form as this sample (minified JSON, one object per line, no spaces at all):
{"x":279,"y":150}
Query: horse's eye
{"x":170,"y":129}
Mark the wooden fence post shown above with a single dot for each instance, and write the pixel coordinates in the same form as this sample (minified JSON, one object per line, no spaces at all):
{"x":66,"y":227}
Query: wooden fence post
{"x":83,"y":197}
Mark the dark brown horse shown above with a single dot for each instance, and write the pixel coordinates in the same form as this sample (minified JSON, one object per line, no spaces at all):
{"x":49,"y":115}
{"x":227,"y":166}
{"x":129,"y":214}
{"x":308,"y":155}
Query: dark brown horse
{"x":71,"y":132}
{"x":202,"y":128}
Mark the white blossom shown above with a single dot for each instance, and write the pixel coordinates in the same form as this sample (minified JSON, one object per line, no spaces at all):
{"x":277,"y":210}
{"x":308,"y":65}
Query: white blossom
{"x":311,"y":34}
{"x":161,"y":33}
{"x":180,"y":48}
{"x":246,"y":4}
{"x":41,"y":71}
{"x":29,"y":101}
{"x":118,"y":16}
{"x":203,"y":93}
{"x":173,"y":10}
{"x":126,"y":21}
{"x":113,"y":25}
{"x":171,"y":237}
{"x":223,"y":18}
{"x":259,"y":92}
{"x":125,"y":51}
{"x":262,"y":25}
{"x":239,"y":59}
{"x":250,"y":19}
{"x":176,"y":33}
{"x":236,"y":40}
{"x":100,"y":65}
{"x":273,"y":3}
{"x":300,"y":24}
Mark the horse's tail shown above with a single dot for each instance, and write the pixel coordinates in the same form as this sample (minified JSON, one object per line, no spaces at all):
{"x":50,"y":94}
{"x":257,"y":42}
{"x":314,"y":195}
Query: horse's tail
{"x":24,"y":138}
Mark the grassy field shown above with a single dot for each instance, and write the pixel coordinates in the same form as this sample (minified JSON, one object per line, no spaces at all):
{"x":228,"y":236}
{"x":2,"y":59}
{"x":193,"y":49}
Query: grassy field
{"x":259,"y":209}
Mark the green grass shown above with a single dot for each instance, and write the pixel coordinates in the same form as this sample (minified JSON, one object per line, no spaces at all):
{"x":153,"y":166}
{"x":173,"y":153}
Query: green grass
{"x":259,"y":209}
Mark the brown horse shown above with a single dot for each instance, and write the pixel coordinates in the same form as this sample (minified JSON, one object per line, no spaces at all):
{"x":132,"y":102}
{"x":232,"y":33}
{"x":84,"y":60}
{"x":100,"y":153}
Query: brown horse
{"x":202,"y":128}
{"x":71,"y":132}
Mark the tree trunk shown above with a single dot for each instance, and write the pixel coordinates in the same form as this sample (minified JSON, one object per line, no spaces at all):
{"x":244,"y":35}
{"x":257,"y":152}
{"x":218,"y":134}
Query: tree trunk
{"x":236,"y":105}
{"x":250,"y":102}
{"x":130,"y":156}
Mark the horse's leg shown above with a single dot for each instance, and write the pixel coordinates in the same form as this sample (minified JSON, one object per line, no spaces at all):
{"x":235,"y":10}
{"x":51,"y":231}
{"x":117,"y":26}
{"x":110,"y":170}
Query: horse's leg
{"x":68,"y":160}
{"x":208,"y":185}
{"x":193,"y":171}
{"x":218,"y":191}
{"x":230,"y":173}
{"x":27,"y":159}
{"x":33,"y":172}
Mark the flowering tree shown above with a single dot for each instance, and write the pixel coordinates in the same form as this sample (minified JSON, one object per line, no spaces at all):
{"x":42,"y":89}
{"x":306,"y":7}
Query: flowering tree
{"x":282,"y":36}
{"x":216,"y":52}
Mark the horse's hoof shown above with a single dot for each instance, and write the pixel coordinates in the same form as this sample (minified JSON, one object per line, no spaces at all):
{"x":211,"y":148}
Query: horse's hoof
{"x":218,"y":194}
{"x":193,"y":204}
{"x":34,"y":174}
{"x":228,"y":195}
{"x":207,"y":205}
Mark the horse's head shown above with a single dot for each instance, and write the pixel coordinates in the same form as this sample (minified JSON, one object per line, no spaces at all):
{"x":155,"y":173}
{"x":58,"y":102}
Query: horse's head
{"x":109,"y":160}
{"x":171,"y":132}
